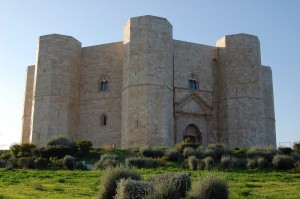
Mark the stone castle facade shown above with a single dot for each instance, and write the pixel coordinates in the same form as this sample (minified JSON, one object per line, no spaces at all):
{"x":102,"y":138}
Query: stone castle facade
{"x":149,"y":90}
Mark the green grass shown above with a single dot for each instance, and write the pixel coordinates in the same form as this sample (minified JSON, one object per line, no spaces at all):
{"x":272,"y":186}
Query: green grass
{"x":248,"y":184}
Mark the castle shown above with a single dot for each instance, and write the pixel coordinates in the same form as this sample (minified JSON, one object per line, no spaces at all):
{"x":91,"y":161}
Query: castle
{"x":149,"y":90}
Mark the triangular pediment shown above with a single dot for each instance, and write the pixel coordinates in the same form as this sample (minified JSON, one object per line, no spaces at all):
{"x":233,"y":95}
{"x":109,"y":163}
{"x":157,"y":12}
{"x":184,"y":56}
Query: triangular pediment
{"x":193,"y":104}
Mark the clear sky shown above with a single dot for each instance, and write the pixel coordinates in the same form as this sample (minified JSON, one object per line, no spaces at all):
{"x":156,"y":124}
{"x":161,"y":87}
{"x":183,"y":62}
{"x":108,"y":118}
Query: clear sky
{"x":275,"y":22}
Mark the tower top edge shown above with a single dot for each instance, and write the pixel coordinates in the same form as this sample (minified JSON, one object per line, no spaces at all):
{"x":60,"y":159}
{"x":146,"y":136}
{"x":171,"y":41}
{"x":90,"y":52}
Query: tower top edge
{"x":55,"y":35}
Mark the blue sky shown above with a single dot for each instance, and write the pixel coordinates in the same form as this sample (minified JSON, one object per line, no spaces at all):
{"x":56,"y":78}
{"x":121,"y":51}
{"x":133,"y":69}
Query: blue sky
{"x":93,"y":22}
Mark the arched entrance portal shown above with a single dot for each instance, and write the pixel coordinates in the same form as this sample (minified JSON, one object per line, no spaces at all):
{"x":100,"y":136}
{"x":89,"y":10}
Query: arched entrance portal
{"x":192,"y":134}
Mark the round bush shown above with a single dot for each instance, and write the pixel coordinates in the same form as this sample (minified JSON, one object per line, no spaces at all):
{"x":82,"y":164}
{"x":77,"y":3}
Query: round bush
{"x":211,"y":187}
{"x":106,"y":160}
{"x":192,"y":162}
{"x":79,"y":165}
{"x":209,"y":163}
{"x":61,"y":141}
{"x":262,"y":163}
{"x":152,"y":153}
{"x":111,"y":177}
{"x":238,"y":163}
{"x":297,"y":166}
{"x":238,"y":152}
{"x":182,"y":145}
{"x":26,"y":163}
{"x":251,"y":163}
{"x":59,"y":151}
{"x":69,"y":162}
{"x":225,"y":162}
{"x":141,"y":162}
{"x":266,"y":152}
{"x":83,"y":147}
{"x":285,"y":150}
{"x":173,"y":155}
{"x":296,"y":147}
{"x":163,"y":189}
{"x":182,"y":181}
{"x":201,"y":165}
{"x":283,"y":162}
{"x":41,"y":163}
{"x":2,"y":164}
{"x":128,"y":188}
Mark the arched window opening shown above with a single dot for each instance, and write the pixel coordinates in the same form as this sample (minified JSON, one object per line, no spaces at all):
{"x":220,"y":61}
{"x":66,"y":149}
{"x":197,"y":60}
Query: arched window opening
{"x":104,"y":86}
{"x":103,"y":120}
{"x":193,"y":82}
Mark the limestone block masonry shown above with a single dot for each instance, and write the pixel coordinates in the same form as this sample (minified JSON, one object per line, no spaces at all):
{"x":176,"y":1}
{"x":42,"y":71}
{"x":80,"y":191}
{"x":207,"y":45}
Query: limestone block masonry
{"x":149,"y":90}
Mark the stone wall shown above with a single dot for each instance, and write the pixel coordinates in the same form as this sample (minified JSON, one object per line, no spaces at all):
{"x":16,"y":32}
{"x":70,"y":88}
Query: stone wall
{"x":26,"y":119}
{"x":56,"y":91}
{"x":193,"y":106}
{"x":102,"y":62}
{"x":147,"y":97}
{"x":240,"y":97}
{"x":268,"y":99}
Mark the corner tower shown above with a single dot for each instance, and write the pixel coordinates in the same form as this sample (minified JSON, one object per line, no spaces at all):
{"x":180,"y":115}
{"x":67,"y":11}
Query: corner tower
{"x":241,"y":110}
{"x":56,"y":88}
{"x":147,"y":91}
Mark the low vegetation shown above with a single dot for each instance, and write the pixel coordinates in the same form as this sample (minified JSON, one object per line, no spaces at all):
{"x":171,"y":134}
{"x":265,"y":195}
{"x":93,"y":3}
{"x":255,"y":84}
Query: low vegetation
{"x":185,"y":171}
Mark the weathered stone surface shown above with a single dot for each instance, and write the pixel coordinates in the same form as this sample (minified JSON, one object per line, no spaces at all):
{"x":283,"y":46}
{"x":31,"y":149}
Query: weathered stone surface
{"x":150,"y":90}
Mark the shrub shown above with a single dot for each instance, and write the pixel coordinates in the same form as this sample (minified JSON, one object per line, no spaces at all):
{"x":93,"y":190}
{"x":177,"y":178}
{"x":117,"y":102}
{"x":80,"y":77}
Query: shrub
{"x":83,"y":147}
{"x":69,"y":162}
{"x":266,"y":152}
{"x":2,"y":164}
{"x":296,"y":156}
{"x":285,"y":150}
{"x":209,"y":163}
{"x":225,"y":162}
{"x":26,"y":150}
{"x":192,"y":162}
{"x":211,"y":187}
{"x":163,"y":189}
{"x":41,"y":163}
{"x":238,"y":152}
{"x":56,"y":163}
{"x":201,"y":165}
{"x":189,"y":151}
{"x":251,"y":163}
{"x":61,"y":141}
{"x":283,"y":162}
{"x":59,"y":151}
{"x":128,"y":188}
{"x":296,"y":147}
{"x":238,"y":163}
{"x":79,"y":165}
{"x":15,"y":150}
{"x":141,"y":162}
{"x":297,"y":166}
{"x":173,"y":155}
{"x":182,"y":181}
{"x":106,"y":160}
{"x":5,"y":155}
{"x":26,"y":163}
{"x":13,"y":162}
{"x":152,"y":153}
{"x":262,"y":163}
{"x":111,"y":177}
{"x":182,"y":145}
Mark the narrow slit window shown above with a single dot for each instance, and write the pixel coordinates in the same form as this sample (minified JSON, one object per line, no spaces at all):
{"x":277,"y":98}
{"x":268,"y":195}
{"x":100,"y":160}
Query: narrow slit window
{"x":103,"y":120}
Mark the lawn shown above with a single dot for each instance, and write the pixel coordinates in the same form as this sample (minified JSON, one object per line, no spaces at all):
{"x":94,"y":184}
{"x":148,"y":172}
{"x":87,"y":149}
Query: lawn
{"x":85,"y":184}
